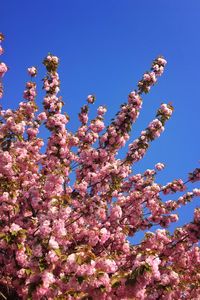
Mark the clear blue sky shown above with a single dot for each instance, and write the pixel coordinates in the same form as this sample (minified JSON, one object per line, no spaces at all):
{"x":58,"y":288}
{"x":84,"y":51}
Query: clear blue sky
{"x":104,"y":47}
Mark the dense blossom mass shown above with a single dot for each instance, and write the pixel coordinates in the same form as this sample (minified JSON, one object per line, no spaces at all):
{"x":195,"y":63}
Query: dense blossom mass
{"x":65,"y":236}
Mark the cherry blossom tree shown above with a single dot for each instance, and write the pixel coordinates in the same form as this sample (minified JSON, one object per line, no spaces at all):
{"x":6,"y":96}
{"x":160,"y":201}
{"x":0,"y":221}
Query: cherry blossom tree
{"x":65,"y":238}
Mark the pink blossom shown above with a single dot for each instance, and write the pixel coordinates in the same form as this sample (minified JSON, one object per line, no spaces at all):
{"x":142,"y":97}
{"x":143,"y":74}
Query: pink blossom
{"x":3,"y":69}
{"x":32,"y":71}
{"x":42,"y":116}
{"x":146,"y":77}
{"x":47,"y":278}
{"x":174,"y":218}
{"x":101,"y":110}
{"x":37,"y":251}
{"x":53,"y":244}
{"x":105,"y":234}
{"x":97,"y":125}
{"x":116,"y":212}
{"x":159,"y":166}
{"x":90,"y":99}
{"x":196,"y":192}
{"x":1,"y":50}
{"x":68,"y":211}
{"x":15,"y":227}
{"x":162,"y":61}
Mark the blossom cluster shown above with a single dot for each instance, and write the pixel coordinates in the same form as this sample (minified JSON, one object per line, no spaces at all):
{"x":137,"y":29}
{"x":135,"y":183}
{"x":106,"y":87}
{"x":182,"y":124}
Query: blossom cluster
{"x":67,"y":212}
{"x":3,"y":66}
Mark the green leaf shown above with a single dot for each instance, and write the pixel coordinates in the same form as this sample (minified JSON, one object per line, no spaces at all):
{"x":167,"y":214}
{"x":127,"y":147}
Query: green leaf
{"x":20,"y":246}
{"x":100,"y":273}
{"x":58,"y":252}
{"x":116,"y":283}
{"x":28,"y":271}
{"x":102,"y":288}
{"x":28,"y":250}
{"x":32,"y":287}
{"x":8,"y":238}
{"x":20,"y":138}
{"x":132,"y":278}
{"x":80,"y":279}
{"x":42,"y":264}
{"x":79,"y":260}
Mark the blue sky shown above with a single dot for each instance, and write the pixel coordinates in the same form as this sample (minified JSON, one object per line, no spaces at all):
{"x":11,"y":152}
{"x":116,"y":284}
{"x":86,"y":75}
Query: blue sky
{"x":104,"y":48}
